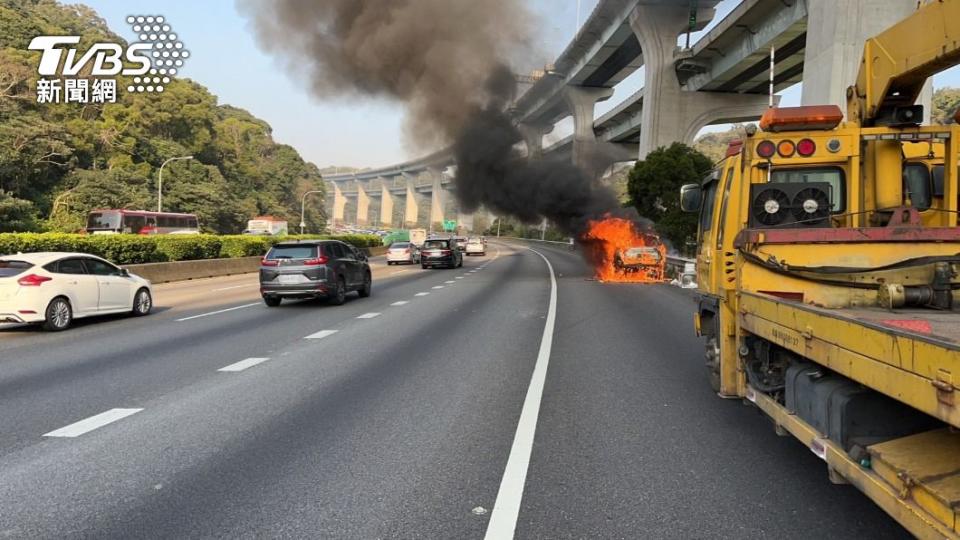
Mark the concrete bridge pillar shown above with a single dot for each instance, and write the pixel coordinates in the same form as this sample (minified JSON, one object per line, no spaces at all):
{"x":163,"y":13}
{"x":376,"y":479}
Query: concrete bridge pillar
{"x":363,"y":206}
{"x":386,"y":204}
{"x":410,"y":213}
{"x":339,"y":203}
{"x":671,"y":114}
{"x":836,"y":32}
{"x":533,"y":136}
{"x":436,"y":196}
{"x":582,"y":100}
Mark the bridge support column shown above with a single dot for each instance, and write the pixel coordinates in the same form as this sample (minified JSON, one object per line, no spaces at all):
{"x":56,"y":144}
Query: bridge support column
{"x":339,"y":204}
{"x":436,"y":196}
{"x":386,"y":204}
{"x":533,"y":136}
{"x":410,"y":213}
{"x":581,"y":100}
{"x":836,"y":31}
{"x":363,"y":206}
{"x":671,"y":114}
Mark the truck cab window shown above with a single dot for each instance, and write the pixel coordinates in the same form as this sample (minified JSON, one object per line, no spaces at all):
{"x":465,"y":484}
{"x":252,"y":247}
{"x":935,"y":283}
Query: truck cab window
{"x":706,"y":209}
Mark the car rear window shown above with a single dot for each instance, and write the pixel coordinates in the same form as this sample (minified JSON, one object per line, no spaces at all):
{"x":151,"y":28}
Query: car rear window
{"x":436,"y":244}
{"x":400,"y":245}
{"x":292,"y":252}
{"x":11,"y":268}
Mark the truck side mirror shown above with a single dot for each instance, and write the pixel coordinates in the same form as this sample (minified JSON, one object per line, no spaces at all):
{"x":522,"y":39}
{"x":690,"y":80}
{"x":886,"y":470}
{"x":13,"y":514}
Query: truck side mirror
{"x":690,"y":198}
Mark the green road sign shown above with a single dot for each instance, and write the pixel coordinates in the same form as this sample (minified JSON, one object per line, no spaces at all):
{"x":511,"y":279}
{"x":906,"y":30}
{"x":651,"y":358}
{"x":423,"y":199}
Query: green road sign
{"x":450,"y":225}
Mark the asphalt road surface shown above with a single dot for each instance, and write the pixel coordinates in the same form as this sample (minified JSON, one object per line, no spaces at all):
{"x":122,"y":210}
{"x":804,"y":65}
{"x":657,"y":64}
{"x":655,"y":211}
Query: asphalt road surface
{"x":402,"y":415}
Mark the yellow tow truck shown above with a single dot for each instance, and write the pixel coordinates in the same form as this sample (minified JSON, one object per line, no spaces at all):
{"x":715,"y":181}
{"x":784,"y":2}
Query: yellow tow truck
{"x":828,"y":262}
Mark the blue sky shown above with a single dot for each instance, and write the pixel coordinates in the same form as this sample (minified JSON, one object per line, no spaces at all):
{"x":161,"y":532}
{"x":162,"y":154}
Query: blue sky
{"x":225,"y":58}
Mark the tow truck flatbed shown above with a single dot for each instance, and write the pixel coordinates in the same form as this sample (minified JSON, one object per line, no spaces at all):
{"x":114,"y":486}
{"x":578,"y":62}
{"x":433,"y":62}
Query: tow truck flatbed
{"x":911,"y":355}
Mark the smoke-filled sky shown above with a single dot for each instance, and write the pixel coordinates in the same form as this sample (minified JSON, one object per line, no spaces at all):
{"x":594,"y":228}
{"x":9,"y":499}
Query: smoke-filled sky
{"x":226,"y":59}
{"x":450,"y":65}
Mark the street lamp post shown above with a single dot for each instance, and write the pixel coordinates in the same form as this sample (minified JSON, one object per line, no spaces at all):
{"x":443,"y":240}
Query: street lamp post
{"x":303,"y":208}
{"x":160,"y":181}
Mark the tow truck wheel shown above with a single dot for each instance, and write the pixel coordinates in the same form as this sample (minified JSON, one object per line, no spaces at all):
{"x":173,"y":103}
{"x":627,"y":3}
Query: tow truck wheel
{"x":713,"y":362}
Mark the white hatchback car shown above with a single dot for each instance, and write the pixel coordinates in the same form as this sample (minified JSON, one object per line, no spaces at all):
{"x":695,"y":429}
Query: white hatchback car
{"x":476,"y":246}
{"x":55,"y":288}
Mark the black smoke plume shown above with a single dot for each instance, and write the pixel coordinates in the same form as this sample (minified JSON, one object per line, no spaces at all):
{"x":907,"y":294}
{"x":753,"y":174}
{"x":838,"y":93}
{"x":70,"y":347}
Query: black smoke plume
{"x":447,"y":62}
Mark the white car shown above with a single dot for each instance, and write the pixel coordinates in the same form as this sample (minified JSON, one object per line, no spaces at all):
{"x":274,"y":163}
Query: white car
{"x":403,"y":252}
{"x":55,"y":288}
{"x":475,"y":246}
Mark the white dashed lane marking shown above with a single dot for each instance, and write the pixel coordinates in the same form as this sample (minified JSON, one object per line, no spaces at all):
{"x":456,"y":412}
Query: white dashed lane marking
{"x":97,"y":421}
{"x":243,"y":364}
{"x":368,"y":315}
{"x":321,"y":334}
{"x":217,"y":312}
{"x":421,"y":294}
{"x":400,"y":303}
{"x":438,"y":287}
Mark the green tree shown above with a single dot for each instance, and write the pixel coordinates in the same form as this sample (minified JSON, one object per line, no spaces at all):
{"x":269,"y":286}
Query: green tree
{"x":654,"y":187}
{"x":16,"y":215}
{"x":65,"y":160}
{"x":944,"y":105}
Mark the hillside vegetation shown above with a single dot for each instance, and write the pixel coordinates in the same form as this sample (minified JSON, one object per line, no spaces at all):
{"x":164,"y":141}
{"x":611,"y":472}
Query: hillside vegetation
{"x":58,"y":161}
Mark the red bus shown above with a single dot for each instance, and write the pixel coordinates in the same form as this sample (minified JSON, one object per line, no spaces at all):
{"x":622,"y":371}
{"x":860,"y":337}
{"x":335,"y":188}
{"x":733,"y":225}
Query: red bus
{"x":141,"y":222}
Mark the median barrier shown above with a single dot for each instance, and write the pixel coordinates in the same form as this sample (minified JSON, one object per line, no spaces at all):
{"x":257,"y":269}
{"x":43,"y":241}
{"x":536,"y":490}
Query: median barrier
{"x":184,"y":270}
{"x":165,"y":272}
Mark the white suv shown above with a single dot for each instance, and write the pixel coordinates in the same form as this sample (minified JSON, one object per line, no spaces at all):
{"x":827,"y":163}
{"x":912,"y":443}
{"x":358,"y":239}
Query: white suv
{"x":55,"y":288}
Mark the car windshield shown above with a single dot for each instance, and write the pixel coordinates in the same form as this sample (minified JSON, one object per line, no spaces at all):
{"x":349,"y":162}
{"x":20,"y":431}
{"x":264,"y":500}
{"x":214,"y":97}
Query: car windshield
{"x":292,"y":252}
{"x":10,"y":268}
{"x":641,"y":251}
{"x":436,"y":244}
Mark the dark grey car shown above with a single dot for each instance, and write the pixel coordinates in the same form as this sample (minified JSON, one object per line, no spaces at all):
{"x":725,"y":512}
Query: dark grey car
{"x":313,"y":269}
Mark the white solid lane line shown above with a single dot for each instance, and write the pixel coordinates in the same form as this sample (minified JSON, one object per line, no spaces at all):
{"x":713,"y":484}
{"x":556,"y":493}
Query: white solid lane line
{"x":368,"y":315}
{"x":321,"y":334}
{"x":400,"y":303}
{"x":243,"y":364}
{"x":506,"y":508}
{"x":438,"y":287}
{"x":421,"y":294}
{"x":218,"y":312}
{"x":97,"y":421}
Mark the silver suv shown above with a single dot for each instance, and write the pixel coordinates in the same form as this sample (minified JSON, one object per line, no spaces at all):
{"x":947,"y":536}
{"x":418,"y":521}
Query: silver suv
{"x":313,"y":269}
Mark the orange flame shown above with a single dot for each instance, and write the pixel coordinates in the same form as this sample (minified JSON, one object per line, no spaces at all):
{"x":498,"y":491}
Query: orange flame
{"x":613,"y":241}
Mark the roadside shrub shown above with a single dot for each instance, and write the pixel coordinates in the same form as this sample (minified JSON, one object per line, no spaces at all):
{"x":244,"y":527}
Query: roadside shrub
{"x":244,"y":246}
{"x":135,"y":249}
{"x":191,"y":247}
{"x":122,"y":249}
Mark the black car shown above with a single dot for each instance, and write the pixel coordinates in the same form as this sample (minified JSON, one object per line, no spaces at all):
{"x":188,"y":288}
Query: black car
{"x":440,"y":252}
{"x":313,"y":269}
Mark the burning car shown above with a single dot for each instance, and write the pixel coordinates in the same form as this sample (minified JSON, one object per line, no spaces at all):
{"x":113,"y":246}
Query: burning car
{"x":622,"y":252}
{"x":643,"y":259}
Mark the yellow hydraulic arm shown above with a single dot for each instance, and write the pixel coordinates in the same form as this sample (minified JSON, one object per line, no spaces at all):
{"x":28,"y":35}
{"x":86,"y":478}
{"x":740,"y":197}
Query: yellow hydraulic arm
{"x":897,"y":62}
